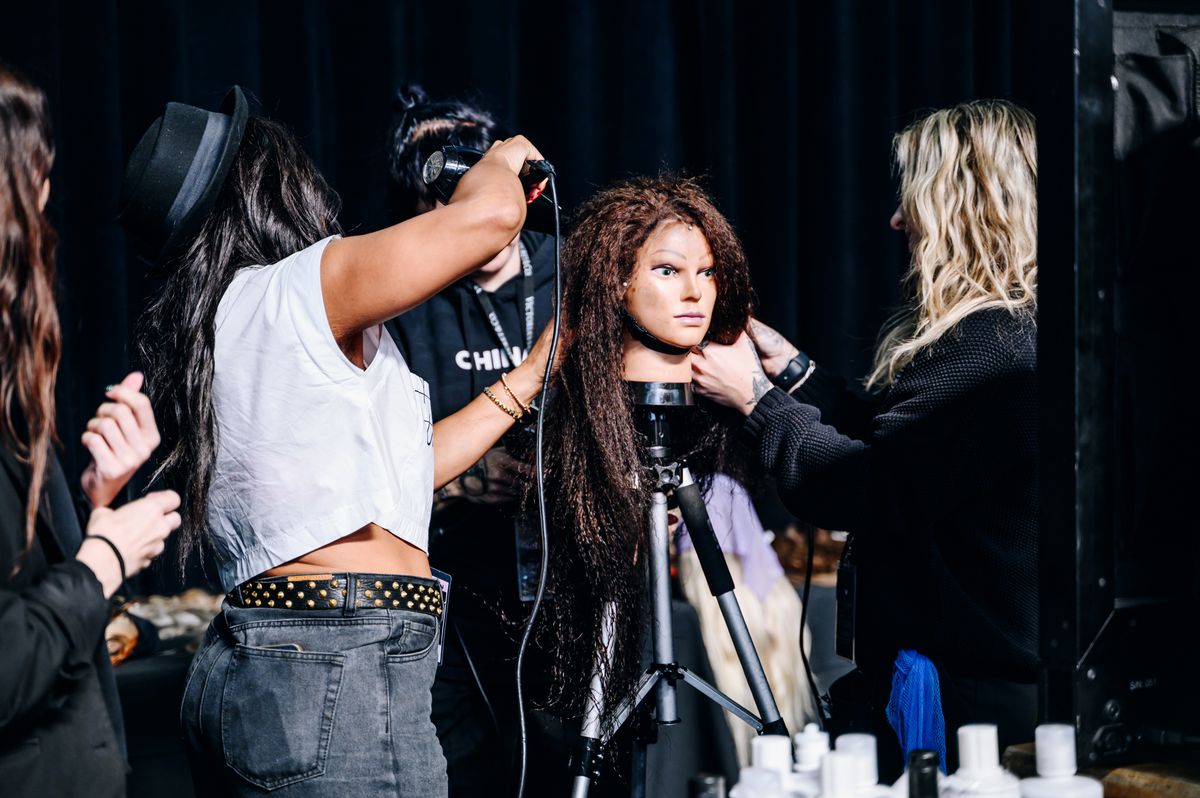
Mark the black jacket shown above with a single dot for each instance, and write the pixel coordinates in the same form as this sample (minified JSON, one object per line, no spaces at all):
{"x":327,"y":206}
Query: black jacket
{"x":935,"y":479}
{"x":449,"y":342}
{"x":60,"y":726}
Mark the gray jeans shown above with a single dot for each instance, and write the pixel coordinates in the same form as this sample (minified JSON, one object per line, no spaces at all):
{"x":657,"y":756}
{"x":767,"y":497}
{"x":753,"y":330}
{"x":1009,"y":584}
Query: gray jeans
{"x":317,"y":702}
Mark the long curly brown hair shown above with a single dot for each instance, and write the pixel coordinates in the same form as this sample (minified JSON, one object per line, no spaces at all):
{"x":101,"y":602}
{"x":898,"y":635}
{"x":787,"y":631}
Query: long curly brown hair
{"x":30,"y":341}
{"x":597,"y":496}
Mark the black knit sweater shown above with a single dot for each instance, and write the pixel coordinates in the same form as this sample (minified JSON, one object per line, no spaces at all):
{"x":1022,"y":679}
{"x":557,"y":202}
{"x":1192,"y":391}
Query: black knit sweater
{"x":936,"y":481}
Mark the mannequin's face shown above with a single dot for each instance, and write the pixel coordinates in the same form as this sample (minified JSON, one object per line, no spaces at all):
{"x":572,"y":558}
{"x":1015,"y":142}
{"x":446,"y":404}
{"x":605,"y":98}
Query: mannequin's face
{"x":673,"y":287}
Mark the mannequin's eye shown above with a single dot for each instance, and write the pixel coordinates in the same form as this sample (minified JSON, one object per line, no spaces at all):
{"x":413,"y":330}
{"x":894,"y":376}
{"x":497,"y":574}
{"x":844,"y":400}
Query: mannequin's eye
{"x":711,"y":271}
{"x":665,"y":271}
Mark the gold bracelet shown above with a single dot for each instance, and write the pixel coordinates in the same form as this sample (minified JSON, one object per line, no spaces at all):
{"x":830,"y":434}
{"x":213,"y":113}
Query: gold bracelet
{"x":515,"y":415}
{"x":524,"y":407}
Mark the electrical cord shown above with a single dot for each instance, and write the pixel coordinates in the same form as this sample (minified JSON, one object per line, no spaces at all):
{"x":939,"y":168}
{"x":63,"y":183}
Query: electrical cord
{"x":544,"y":566}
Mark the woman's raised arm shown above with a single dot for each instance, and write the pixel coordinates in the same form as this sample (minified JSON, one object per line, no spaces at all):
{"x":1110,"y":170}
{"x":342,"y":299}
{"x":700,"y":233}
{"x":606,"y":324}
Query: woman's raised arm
{"x":368,"y":279}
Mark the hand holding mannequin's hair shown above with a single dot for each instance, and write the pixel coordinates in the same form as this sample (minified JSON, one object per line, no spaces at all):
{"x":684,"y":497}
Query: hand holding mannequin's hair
{"x":597,"y":494}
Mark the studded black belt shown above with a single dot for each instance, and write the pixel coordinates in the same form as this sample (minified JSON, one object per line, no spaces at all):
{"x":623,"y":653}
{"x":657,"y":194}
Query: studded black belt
{"x":340,"y":591}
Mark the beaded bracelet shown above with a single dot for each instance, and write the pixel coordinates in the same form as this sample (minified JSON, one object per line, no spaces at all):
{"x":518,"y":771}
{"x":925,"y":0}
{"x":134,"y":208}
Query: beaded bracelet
{"x":504,"y":379}
{"x":515,"y":415}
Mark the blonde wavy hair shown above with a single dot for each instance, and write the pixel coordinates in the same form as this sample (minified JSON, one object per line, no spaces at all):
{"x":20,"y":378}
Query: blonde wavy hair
{"x":968,"y":190}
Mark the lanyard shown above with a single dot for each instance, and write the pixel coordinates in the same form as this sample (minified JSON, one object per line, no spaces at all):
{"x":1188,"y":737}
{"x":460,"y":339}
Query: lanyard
{"x":489,"y":310}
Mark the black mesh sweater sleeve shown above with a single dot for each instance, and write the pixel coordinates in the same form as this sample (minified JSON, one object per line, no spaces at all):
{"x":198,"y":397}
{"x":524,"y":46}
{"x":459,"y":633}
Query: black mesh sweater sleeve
{"x":843,"y":405}
{"x":953,"y":418}
{"x":941,"y":496}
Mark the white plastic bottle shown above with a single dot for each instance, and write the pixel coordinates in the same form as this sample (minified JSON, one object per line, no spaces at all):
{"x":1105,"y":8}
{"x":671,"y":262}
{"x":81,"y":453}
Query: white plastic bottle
{"x":1055,"y":749}
{"x":810,"y":745}
{"x":771,"y":752}
{"x":979,"y":772}
{"x":838,"y":776}
{"x":774,"y":752}
{"x":866,"y":764}
{"x":757,"y":783}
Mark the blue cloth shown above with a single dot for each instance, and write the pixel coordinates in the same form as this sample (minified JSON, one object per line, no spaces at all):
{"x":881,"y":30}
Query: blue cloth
{"x":915,"y":706}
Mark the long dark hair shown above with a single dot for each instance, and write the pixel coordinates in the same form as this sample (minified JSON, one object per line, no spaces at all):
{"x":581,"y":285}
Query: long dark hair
{"x":273,"y":203}
{"x":598,"y":494}
{"x":420,"y":127}
{"x":30,"y":340}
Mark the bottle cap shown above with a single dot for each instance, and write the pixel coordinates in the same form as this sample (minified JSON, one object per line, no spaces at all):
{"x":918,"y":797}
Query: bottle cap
{"x":978,"y":750}
{"x":838,"y":775}
{"x":1055,"y":747}
{"x":862,"y":747}
{"x":811,"y":744}
{"x":772,"y":752}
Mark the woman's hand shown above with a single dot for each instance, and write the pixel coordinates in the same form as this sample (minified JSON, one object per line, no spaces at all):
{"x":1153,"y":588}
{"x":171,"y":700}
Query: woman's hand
{"x":514,"y":153}
{"x":120,"y":438}
{"x":730,"y":375}
{"x":138,"y":529}
{"x":774,"y":351}
{"x":526,"y":379}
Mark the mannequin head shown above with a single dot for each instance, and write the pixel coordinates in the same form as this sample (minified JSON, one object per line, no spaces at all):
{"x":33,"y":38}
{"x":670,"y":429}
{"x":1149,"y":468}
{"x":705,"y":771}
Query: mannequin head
{"x":673,"y":287}
{"x":657,"y":251}
{"x":670,"y":296}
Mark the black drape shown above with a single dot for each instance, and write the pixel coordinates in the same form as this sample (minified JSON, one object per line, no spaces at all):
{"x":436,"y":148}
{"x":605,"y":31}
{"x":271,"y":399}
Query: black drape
{"x":787,"y":107}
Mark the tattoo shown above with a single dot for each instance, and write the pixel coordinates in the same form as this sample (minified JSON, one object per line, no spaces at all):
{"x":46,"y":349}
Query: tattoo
{"x":759,"y":383}
{"x":759,"y":388}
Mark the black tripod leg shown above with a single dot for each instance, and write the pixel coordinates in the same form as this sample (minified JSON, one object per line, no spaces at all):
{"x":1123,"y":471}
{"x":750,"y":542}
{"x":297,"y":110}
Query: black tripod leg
{"x":720,"y":584}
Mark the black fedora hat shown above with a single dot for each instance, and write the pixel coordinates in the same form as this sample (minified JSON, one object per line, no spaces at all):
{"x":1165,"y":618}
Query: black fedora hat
{"x":176,"y":171}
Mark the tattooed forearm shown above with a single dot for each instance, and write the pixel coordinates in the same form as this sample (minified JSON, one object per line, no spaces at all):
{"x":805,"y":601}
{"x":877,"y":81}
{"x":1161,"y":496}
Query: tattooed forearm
{"x":774,"y":350}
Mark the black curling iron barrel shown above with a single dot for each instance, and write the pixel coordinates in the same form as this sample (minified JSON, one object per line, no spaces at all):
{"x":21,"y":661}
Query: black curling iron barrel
{"x":445,"y":167}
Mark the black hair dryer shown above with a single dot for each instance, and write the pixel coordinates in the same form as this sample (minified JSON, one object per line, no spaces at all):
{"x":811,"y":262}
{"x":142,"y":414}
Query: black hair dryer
{"x":445,"y":167}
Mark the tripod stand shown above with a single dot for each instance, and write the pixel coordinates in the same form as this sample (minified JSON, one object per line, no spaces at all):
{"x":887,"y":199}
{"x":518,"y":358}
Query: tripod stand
{"x":657,"y":405}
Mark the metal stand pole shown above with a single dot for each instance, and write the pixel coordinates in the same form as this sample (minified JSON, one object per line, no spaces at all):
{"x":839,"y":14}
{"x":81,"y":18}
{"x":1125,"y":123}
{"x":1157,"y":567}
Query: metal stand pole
{"x":660,"y":586}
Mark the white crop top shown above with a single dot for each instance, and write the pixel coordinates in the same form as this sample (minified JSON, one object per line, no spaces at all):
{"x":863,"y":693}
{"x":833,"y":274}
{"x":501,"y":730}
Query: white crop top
{"x":309,"y":447}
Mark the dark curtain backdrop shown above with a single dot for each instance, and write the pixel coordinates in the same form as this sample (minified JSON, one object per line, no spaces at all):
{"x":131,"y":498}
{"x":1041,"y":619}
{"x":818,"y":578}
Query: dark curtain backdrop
{"x":788,"y":108}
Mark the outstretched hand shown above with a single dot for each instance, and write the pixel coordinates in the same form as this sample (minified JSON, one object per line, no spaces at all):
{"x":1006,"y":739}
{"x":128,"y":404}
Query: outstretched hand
{"x":730,"y":375}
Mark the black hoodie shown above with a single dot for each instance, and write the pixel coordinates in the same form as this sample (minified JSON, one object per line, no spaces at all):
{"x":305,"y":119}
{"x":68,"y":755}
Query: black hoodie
{"x":450,"y":343}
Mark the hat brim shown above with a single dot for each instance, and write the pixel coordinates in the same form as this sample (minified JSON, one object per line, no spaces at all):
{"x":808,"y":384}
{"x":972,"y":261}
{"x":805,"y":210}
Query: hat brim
{"x":237,"y":107}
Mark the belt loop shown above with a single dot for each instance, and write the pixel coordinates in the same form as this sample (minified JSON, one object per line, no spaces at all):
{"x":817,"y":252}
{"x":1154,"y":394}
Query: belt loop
{"x":351,"y":602}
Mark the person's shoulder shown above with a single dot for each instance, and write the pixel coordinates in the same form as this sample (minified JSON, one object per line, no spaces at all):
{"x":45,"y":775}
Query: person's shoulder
{"x":985,"y":345}
{"x":999,"y":335}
